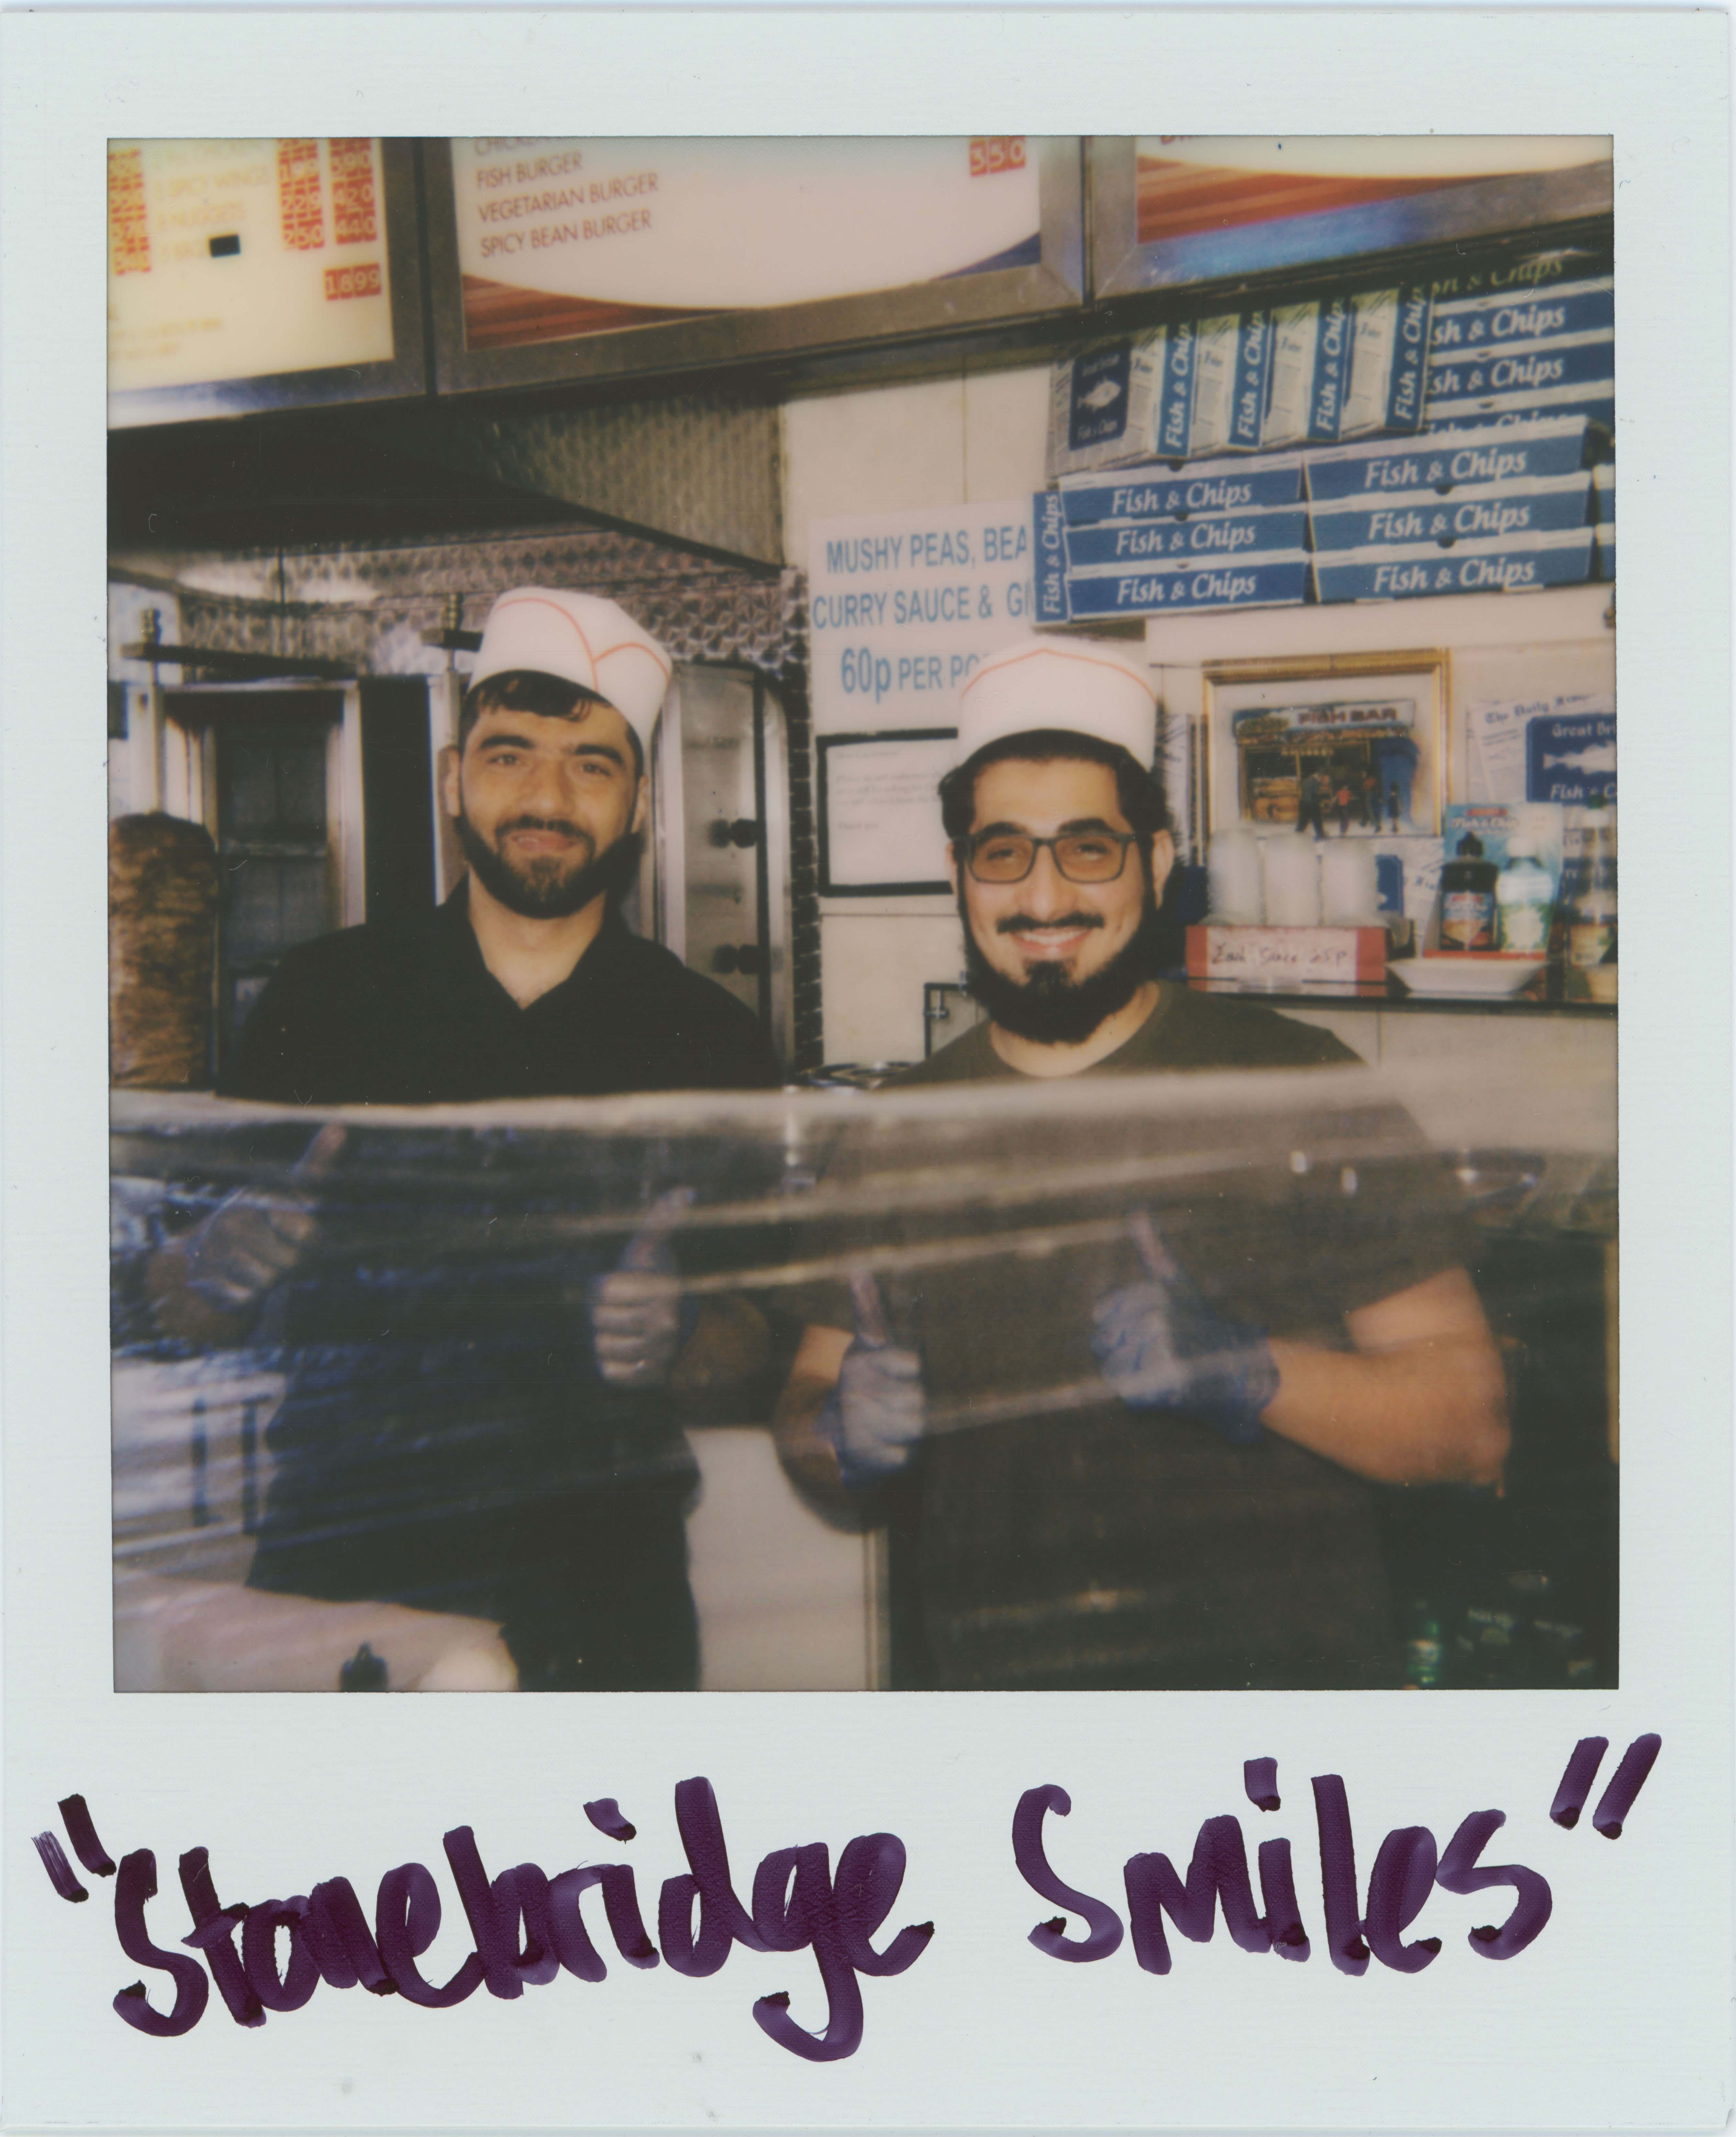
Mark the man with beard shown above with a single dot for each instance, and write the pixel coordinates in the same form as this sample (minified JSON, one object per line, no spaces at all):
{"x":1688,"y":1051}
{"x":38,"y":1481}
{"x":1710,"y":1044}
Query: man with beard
{"x":1185,"y":1501}
{"x":466,"y":1437}
{"x":525,"y":984}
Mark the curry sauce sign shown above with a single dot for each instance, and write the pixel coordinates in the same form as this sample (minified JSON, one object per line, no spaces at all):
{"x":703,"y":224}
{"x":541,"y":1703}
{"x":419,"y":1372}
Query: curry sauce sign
{"x":903,"y":604}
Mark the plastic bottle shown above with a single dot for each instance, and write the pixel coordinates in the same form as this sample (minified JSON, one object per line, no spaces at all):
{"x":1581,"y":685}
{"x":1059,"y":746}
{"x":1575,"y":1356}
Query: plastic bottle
{"x":1425,"y":1651}
{"x":1467,"y":898}
{"x":1524,"y":896}
{"x":1591,"y":916}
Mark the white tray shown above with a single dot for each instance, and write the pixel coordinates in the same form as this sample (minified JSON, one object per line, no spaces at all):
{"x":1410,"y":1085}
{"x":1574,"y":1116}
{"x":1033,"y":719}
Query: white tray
{"x":1487,"y":977}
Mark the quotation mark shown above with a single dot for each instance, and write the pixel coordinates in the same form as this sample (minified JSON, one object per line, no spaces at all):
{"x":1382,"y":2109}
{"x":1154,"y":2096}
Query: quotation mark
{"x":88,"y":1849}
{"x":1616,"y":1800}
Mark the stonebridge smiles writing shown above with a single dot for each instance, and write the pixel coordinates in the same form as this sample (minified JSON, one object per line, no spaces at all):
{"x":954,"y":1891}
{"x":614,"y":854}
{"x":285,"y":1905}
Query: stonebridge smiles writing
{"x":529,"y":1927}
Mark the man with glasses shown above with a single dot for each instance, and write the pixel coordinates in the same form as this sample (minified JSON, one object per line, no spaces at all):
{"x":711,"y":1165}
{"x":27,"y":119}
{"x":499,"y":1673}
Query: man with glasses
{"x":1187,"y":1503}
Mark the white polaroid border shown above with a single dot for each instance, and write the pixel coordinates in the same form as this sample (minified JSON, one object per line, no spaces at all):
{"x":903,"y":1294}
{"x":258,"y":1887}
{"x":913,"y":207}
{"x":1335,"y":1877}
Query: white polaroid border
{"x":1619,"y":2014}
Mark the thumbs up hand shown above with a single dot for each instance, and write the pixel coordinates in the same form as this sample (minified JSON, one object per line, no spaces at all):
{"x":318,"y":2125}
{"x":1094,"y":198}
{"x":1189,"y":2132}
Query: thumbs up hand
{"x":635,"y":1309}
{"x":253,"y":1240}
{"x":1160,"y":1345}
{"x":875,"y":1415}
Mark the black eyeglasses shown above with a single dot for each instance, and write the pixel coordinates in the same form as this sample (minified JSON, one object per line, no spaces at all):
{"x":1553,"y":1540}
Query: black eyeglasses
{"x":1081,"y":856}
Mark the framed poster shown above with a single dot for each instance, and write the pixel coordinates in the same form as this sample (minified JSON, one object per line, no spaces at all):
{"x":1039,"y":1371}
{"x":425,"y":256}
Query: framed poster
{"x":589,"y":257}
{"x":1349,"y":744}
{"x":880,"y":831}
{"x":250,"y":275}
{"x":1169,"y":209}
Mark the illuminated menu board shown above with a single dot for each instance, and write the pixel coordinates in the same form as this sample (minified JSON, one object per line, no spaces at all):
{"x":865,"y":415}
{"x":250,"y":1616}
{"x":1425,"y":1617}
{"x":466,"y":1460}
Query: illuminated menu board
{"x":1175,"y":208}
{"x":608,"y":233}
{"x":554,"y":256}
{"x":245,"y":261}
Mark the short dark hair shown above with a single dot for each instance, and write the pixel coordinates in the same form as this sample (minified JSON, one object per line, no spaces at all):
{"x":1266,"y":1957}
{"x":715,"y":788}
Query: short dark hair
{"x":530,"y":690}
{"x":1139,"y":792}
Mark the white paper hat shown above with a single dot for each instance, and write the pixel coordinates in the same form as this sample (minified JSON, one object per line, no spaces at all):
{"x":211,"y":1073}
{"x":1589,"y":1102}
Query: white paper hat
{"x":583,"y":640}
{"x":1079,"y":685}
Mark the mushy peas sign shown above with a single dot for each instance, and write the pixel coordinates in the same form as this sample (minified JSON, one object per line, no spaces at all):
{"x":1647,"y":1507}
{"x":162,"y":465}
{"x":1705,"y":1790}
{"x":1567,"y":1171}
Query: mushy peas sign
{"x":902,"y":605}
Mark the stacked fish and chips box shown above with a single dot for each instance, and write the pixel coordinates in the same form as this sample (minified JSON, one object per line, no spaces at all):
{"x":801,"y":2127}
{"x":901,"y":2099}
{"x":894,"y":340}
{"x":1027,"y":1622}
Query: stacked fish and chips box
{"x":1487,"y":510}
{"x":1422,"y":438}
{"x":1495,"y":356}
{"x":1455,"y":512}
{"x":1221,"y":534}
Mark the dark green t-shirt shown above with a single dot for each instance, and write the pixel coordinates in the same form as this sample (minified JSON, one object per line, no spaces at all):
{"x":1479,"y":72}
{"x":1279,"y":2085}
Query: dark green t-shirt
{"x":1184,"y":1031}
{"x":1049,"y":1537}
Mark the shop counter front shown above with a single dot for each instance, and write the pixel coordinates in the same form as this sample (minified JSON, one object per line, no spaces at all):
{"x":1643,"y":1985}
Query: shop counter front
{"x":404,"y":1466}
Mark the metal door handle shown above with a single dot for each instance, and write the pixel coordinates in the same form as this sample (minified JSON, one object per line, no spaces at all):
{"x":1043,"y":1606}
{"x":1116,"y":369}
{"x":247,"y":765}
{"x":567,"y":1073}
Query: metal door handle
{"x":744,"y":832}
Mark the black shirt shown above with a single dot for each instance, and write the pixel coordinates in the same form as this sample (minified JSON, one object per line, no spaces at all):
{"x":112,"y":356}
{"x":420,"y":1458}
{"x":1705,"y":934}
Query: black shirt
{"x":409,"y":1014}
{"x":445,"y":1440}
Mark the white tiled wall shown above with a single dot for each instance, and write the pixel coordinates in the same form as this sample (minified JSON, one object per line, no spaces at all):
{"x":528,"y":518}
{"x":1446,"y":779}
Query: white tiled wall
{"x":873,"y":1000}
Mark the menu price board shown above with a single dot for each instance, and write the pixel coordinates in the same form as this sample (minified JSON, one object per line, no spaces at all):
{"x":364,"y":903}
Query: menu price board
{"x":247,"y":273}
{"x":553,"y":257}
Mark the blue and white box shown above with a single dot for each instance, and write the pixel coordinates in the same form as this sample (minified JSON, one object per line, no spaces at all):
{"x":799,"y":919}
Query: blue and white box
{"x":1167,"y":493}
{"x":1202,"y":535}
{"x":1253,"y":372}
{"x":1570,"y":758}
{"x":1101,"y":403}
{"x":1510,"y":280}
{"x":1333,"y":339}
{"x":1464,"y":325}
{"x":1175,"y":424}
{"x":1277,"y":581}
{"x":1214,"y":385}
{"x":1048,"y":558}
{"x":1442,"y":461}
{"x":1535,"y":504}
{"x":1295,"y":344}
{"x":1532,"y":367}
{"x":1593,"y":406}
{"x":1516,"y":564}
{"x":1389,"y":348}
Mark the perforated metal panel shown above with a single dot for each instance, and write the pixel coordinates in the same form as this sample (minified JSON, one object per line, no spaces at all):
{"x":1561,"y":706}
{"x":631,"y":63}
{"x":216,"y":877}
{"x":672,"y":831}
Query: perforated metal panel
{"x":371,"y":605}
{"x":704,"y":467}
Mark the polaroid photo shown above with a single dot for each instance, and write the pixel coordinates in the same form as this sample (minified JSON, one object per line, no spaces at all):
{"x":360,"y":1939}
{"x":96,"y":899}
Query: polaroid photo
{"x":934,"y":1139}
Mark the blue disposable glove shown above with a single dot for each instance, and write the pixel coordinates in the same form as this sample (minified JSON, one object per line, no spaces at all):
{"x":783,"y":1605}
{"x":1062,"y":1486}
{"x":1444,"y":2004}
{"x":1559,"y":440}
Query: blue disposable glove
{"x":638,"y":1322}
{"x":875,"y":1415}
{"x":1161,"y":1346}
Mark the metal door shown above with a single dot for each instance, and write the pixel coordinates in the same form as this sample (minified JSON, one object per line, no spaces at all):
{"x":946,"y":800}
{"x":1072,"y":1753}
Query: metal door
{"x":719,"y":858}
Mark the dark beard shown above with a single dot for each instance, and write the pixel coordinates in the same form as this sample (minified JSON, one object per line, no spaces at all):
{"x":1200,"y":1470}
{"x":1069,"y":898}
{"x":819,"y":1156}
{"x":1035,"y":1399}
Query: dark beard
{"x":1051,"y":1009}
{"x":545,"y":893}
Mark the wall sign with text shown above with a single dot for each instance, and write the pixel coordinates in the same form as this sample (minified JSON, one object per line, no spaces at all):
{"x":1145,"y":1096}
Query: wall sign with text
{"x":902,"y":605}
{"x":880,"y":830}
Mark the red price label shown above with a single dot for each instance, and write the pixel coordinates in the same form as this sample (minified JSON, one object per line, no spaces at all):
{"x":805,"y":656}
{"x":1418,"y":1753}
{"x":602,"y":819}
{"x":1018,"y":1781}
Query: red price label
{"x":359,"y":281}
{"x":353,"y":192}
{"x":990,"y":152}
{"x":300,"y":210}
{"x":130,"y":234}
